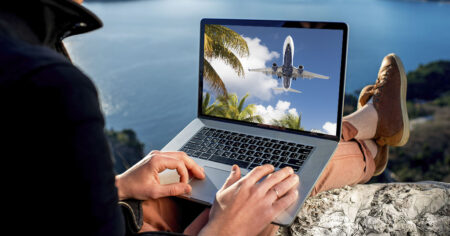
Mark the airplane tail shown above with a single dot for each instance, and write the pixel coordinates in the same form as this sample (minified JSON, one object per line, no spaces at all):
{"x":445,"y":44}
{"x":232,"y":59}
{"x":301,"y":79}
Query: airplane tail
{"x":289,"y":90}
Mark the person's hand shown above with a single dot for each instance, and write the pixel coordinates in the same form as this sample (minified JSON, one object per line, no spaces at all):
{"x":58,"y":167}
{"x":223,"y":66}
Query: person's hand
{"x":141,"y":181}
{"x":246,"y":206}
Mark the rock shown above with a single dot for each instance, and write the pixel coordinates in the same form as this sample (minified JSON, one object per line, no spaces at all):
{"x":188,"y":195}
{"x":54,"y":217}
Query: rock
{"x":376,"y":209}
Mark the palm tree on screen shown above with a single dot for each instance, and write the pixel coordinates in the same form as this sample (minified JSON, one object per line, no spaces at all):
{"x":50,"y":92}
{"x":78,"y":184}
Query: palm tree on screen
{"x":230,"y":107}
{"x":290,"y":121}
{"x":206,"y":108}
{"x":222,"y":43}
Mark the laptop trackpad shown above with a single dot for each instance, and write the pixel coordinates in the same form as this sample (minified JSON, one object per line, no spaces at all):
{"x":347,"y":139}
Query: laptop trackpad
{"x":205,"y":190}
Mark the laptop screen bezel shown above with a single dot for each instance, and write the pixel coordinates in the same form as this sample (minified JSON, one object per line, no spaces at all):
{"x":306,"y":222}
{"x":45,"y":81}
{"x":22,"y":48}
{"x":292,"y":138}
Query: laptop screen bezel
{"x":287,"y":24}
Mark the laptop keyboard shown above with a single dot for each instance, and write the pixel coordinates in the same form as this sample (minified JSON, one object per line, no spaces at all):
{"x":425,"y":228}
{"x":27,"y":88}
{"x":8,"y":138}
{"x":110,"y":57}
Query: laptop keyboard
{"x":246,"y":151}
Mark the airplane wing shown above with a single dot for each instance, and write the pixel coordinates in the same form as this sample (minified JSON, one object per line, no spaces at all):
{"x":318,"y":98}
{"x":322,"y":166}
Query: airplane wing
{"x":308,"y":75}
{"x":267,"y":71}
{"x":289,"y":90}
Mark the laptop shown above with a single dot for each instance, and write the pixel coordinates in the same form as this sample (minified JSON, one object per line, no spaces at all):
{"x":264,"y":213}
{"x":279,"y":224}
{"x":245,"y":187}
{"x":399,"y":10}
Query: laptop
{"x":269,"y":92}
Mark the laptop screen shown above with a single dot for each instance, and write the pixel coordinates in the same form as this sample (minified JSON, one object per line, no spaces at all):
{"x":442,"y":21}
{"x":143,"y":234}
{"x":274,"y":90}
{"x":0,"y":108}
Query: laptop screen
{"x":280,"y":75}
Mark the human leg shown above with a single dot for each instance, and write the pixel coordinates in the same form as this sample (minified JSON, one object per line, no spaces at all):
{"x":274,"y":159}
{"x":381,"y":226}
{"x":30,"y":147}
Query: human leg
{"x":169,"y":214}
{"x":388,"y":97}
{"x":385,"y":100}
{"x":364,"y":121}
{"x":195,"y":226}
{"x":352,"y":163}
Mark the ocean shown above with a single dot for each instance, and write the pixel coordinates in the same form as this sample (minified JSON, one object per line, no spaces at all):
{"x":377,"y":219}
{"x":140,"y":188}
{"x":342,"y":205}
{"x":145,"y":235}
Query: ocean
{"x":144,"y":61}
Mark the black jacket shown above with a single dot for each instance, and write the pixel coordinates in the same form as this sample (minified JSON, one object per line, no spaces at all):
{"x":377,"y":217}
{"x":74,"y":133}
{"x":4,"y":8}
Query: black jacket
{"x":57,"y":176}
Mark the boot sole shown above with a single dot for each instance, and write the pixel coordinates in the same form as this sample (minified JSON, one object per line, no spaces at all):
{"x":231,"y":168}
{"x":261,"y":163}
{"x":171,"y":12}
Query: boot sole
{"x":403,"y":87}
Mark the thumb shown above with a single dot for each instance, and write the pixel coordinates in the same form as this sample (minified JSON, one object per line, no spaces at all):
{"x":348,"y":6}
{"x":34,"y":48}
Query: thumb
{"x":172,"y":190}
{"x":235,"y":175}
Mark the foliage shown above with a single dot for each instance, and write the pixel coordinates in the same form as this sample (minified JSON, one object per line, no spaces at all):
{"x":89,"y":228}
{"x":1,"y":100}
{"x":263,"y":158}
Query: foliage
{"x":426,"y":156}
{"x":443,"y":100}
{"x":289,"y":121}
{"x":221,"y":42}
{"x":416,"y":110}
{"x":231,"y":108}
{"x":429,"y":81}
{"x":350,"y":103}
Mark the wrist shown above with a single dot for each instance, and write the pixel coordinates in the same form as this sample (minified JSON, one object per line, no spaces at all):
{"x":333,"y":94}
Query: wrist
{"x":213,"y":229}
{"x":121,"y":188}
{"x":209,"y":230}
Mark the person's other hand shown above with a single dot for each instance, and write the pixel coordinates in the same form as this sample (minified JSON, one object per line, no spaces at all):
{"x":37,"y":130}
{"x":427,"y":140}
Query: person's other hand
{"x":141,"y":181}
{"x":246,"y":206}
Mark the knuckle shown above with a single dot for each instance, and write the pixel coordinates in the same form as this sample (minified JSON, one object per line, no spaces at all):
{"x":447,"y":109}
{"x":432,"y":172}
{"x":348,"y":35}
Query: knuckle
{"x":180,"y":163}
{"x":181,"y":166}
{"x":155,"y":158}
{"x":245,"y":184}
{"x":154,"y":152}
{"x":152,"y":194}
{"x":173,"y":190}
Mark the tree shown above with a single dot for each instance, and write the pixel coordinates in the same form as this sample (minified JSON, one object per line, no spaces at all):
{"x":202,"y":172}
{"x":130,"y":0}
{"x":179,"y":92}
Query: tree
{"x":289,"y":121}
{"x":219,"y":41}
{"x":206,"y":108}
{"x":230,"y":107}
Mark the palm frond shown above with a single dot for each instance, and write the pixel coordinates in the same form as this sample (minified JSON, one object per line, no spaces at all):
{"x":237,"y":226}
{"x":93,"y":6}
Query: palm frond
{"x":228,"y":57}
{"x":241,"y":104}
{"x":228,"y":38}
{"x":288,"y":121}
{"x":213,"y":79}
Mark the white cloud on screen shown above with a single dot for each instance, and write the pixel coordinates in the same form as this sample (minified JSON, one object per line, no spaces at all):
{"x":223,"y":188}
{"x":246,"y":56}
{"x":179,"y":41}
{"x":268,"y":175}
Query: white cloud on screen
{"x":330,"y":128}
{"x":327,"y":128}
{"x":317,"y":131}
{"x":269,"y":113}
{"x":257,"y":84}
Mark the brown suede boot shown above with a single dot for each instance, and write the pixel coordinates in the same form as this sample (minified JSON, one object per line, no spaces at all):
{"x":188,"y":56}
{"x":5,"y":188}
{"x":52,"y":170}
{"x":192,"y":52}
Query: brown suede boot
{"x":381,"y":159}
{"x":389,"y":99}
{"x":364,"y":96}
{"x":391,"y":74}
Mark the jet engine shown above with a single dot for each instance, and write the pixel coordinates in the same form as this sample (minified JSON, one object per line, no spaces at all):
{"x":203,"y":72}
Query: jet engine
{"x":300,"y":67}
{"x":274,"y":67}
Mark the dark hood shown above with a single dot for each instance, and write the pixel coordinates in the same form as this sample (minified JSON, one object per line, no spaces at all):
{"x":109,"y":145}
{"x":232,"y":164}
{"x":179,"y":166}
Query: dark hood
{"x":51,"y":20}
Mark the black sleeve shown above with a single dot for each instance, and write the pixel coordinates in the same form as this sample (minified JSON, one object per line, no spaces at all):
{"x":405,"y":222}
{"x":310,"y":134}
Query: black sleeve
{"x":67,"y":115}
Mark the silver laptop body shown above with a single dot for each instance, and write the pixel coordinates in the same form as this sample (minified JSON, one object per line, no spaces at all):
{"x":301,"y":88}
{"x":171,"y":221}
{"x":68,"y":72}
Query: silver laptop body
{"x":316,"y":85}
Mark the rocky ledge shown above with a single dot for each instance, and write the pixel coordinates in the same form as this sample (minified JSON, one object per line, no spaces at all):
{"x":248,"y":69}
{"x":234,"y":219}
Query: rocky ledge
{"x":376,"y":209}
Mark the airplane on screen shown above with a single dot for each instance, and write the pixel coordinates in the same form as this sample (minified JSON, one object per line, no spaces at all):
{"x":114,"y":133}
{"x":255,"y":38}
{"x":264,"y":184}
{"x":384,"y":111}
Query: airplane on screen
{"x":287,"y":71}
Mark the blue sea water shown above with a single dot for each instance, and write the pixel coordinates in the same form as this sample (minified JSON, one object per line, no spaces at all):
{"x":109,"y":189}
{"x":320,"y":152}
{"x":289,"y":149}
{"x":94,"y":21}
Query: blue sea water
{"x":144,"y":61}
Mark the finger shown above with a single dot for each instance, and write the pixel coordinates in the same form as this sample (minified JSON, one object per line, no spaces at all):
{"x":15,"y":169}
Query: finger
{"x":196,"y":170}
{"x":165,"y":162}
{"x":283,"y":187}
{"x":235,"y":175}
{"x":284,"y":202}
{"x":257,"y":173}
{"x":276,"y":178}
{"x":171,"y":190}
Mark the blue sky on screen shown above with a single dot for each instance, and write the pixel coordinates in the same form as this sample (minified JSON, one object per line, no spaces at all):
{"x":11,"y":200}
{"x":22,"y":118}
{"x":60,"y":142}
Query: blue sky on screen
{"x":318,"y":50}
